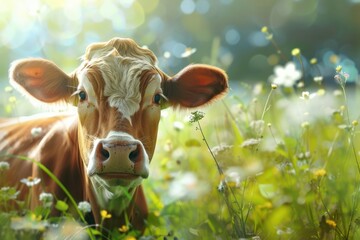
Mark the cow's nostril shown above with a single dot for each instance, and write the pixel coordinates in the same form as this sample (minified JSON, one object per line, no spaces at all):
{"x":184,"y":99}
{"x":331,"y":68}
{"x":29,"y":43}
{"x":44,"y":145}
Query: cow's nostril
{"x":134,"y":155}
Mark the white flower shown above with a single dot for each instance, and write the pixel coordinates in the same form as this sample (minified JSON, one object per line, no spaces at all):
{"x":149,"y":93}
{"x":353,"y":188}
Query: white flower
{"x":178,"y":126}
{"x":46,"y":199}
{"x":187,"y":185}
{"x":318,"y":79}
{"x":84,"y":207}
{"x":286,"y":76}
{"x":30,"y":181}
{"x":4,"y":166}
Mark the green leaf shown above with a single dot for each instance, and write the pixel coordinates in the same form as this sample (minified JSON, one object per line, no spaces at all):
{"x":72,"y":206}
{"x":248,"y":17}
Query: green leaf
{"x":61,"y":206}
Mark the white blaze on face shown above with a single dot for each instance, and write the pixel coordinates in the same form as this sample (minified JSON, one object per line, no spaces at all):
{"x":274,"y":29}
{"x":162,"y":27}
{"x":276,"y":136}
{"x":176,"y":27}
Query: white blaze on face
{"x":122,"y":82}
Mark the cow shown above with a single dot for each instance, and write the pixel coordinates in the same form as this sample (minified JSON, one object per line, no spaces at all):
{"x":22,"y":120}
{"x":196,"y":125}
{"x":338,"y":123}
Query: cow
{"x":102,"y":150}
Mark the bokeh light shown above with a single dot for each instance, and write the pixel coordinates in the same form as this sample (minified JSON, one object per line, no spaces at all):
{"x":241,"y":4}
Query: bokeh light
{"x":61,"y":30}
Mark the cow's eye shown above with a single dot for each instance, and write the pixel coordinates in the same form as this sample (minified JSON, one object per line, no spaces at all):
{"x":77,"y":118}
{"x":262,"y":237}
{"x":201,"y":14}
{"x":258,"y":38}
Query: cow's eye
{"x":82,"y":95}
{"x":157,"y":98}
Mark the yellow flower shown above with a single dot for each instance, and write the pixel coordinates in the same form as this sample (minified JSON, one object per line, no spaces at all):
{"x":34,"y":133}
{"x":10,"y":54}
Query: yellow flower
{"x":320,"y":172}
{"x":313,"y":61}
{"x":295,"y":52}
{"x":266,"y":32}
{"x":331,"y":223}
{"x":274,"y":86}
{"x":35,"y":217}
{"x":338,"y":68}
{"x":105,"y":214}
{"x":355,"y":123}
{"x":264,"y":29}
{"x":124,"y":229}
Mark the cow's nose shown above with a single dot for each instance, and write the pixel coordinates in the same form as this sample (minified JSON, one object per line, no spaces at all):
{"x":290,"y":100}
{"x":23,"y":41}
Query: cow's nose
{"x":121,"y":157}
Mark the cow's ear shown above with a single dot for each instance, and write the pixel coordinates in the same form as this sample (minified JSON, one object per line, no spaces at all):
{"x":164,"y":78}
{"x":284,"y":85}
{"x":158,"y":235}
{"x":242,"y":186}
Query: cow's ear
{"x":40,"y":79}
{"x":195,"y":85}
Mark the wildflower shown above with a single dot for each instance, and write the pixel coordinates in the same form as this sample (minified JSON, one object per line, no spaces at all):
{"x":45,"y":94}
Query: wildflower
{"x":266,"y":32}
{"x":341,"y":76}
{"x":320,"y":172}
{"x":331,"y":223}
{"x":313,"y":61}
{"x":178,"y":126}
{"x":46,"y":199}
{"x":305,"y":125}
{"x":8,"y":193}
{"x":286,"y":76}
{"x":355,"y":123}
{"x":295,"y":52}
{"x":123,"y":229}
{"x":196,"y":116}
{"x":30,"y":181}
{"x":104,"y":214}
{"x":8,"y":89}
{"x":273,"y":86}
{"x":188,"y":52}
{"x":36,"y":131}
{"x":35,"y":217}
{"x":338,"y":68}
{"x":187,"y":186}
{"x":318,"y":79}
{"x":305,"y":95}
{"x":222,"y":186}
{"x":84,"y":207}
{"x":12,"y":99}
{"x":250,"y":142}
{"x":4,"y":166}
{"x":264,"y":29}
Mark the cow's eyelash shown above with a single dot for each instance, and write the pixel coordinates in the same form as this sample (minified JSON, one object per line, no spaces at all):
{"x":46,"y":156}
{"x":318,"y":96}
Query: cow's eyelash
{"x":163,"y":96}
{"x":76,"y":92}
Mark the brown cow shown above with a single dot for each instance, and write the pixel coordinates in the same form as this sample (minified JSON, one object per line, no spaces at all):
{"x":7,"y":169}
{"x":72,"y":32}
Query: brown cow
{"x":102,"y":153}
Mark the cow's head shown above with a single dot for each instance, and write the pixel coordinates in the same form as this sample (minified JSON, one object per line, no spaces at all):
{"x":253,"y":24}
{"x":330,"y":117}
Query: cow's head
{"x":119,"y":93}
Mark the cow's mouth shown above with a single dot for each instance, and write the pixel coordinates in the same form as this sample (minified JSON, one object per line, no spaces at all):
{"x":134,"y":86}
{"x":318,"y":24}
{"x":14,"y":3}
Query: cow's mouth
{"x":116,"y":175}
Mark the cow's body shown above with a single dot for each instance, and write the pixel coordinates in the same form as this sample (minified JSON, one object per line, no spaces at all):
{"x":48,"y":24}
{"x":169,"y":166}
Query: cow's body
{"x":102,"y":153}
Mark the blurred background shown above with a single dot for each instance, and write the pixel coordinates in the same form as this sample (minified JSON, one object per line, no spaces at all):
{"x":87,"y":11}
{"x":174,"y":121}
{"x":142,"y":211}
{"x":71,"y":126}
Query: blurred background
{"x":225,"y":33}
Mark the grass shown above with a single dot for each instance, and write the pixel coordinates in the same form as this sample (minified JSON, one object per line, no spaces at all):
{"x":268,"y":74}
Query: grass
{"x":268,"y":162}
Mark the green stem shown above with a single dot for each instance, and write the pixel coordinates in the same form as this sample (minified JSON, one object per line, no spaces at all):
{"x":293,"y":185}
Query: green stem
{"x":348,"y":122}
{"x":208,"y":147}
{"x":266,"y":104}
{"x":57,"y":181}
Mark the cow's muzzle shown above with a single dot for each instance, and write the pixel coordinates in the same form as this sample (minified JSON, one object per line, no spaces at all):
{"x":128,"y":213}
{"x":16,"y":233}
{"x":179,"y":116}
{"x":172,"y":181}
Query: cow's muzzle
{"x":119,"y":156}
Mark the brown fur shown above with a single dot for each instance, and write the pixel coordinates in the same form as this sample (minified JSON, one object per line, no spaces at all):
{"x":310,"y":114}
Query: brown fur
{"x":65,"y":141}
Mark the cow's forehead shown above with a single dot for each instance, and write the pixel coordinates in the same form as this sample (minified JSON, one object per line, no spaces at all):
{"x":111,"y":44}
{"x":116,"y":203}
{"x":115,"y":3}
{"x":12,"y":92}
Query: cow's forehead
{"x":120,"y":78}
